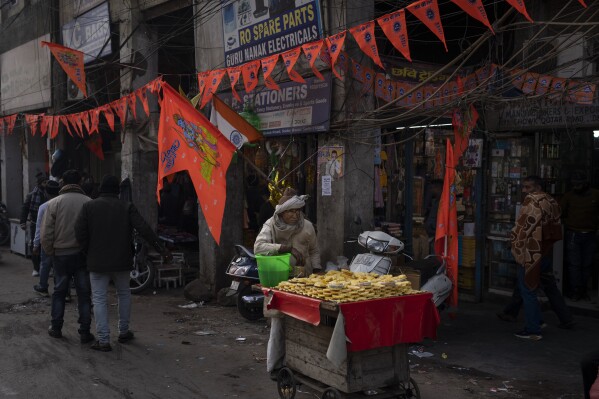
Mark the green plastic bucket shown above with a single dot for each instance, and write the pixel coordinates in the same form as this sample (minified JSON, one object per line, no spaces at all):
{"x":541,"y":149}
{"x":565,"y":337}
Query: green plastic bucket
{"x":273,"y":269}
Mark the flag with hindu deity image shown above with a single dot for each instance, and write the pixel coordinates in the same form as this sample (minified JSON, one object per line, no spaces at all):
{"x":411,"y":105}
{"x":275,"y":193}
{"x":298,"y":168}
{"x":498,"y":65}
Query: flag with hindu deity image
{"x":188,"y":141}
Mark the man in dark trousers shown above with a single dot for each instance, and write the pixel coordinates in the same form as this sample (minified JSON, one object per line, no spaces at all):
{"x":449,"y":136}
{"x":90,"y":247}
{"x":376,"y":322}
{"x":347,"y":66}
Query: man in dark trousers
{"x":58,"y":240}
{"x":34,"y":199}
{"x":104,"y":229}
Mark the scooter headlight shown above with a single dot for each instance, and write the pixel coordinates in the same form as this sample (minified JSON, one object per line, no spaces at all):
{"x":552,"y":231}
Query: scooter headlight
{"x":376,"y":245}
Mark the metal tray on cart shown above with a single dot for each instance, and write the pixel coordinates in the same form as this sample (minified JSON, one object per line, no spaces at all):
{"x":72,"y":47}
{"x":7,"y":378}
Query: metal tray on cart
{"x":375,"y":373}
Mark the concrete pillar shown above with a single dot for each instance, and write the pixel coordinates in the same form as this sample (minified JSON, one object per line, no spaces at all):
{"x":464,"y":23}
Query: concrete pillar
{"x":214,"y":258}
{"x":139,"y":162}
{"x":352,"y":195}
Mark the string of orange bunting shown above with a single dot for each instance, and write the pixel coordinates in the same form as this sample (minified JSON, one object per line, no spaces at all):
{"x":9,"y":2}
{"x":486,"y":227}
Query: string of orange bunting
{"x":393,"y":25}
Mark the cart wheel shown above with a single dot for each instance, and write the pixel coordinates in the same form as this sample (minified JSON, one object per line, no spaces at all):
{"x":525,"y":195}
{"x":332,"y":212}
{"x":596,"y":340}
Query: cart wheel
{"x":330,"y":393}
{"x":409,"y":390}
{"x":286,"y":385}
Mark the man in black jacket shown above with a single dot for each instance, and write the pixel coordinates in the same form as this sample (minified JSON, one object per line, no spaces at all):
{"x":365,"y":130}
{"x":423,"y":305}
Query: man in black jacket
{"x":104,"y":229}
{"x":34,"y":199}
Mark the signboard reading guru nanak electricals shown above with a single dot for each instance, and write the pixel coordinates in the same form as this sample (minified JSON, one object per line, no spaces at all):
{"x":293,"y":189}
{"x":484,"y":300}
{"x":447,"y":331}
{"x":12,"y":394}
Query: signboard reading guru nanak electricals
{"x":254,"y":29}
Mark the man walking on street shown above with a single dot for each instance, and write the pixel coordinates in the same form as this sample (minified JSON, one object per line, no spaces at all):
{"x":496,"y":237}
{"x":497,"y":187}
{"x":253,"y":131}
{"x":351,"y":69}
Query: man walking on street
{"x":537,"y":229}
{"x":58,"y":240}
{"x":52,"y":189}
{"x":29,"y":211}
{"x":104,"y":229}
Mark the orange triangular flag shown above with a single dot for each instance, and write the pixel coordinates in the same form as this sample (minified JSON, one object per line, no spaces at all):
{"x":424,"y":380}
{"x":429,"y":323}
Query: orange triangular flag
{"x":203,"y":78}
{"x":132,"y":101}
{"x":85,"y":119}
{"x":71,"y":61}
{"x":249,"y":71}
{"x":583,"y":3}
{"x":335,"y":45}
{"x":55,"y":126}
{"x":94,"y":116}
{"x":364,"y":35}
{"x":10,"y":121}
{"x":120,"y":107}
{"x":142,"y":94}
{"x":521,"y":7}
{"x":268,"y":65}
{"x":214,"y":79}
{"x":65,"y":121}
{"x":234,"y":75}
{"x":154,"y":85}
{"x":1,"y":125}
{"x":312,"y":52}
{"x":395,"y":28}
{"x":75,"y":120}
{"x":290,"y":59}
{"x":428,"y":12}
{"x":32,"y":120}
{"x":45,"y":124}
{"x":108,"y":115}
{"x":476,"y":10}
{"x":94,"y":144}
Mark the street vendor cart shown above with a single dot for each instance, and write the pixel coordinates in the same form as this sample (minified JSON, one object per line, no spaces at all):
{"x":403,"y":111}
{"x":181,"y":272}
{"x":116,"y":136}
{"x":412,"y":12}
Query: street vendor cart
{"x":351,"y":350}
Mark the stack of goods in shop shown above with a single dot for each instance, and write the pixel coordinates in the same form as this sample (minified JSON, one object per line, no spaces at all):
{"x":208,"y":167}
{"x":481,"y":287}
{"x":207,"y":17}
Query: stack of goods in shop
{"x":346,"y":286}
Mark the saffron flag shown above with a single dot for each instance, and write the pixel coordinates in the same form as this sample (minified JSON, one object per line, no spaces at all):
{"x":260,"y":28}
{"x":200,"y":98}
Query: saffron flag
{"x":188,"y":141}
{"x":32,"y":120}
{"x":120,"y":107}
{"x":203,"y":81}
{"x":476,"y":10}
{"x":583,"y":3}
{"x":132,"y":101}
{"x":71,"y":61}
{"x":231,"y":124}
{"x":55,"y":127}
{"x":108,"y":115}
{"x":290,"y":59}
{"x":364,"y":35}
{"x":85,"y":119}
{"x":521,"y":7}
{"x":234,"y":75}
{"x":94,"y":144}
{"x":45,"y":125}
{"x":368,"y":80}
{"x":379,"y":85}
{"x":268,"y":65}
{"x":249,"y":71}
{"x":446,"y":235}
{"x":463,"y":121}
{"x":581,"y":93}
{"x":94,"y":121}
{"x":357,"y":70}
{"x":428,"y":12}
{"x":543,"y":85}
{"x":2,"y":126}
{"x":142,"y":94}
{"x":395,"y":28}
{"x":334,"y":45}
{"x":312,"y":51}
{"x":530,"y":82}
{"x":214,"y":79}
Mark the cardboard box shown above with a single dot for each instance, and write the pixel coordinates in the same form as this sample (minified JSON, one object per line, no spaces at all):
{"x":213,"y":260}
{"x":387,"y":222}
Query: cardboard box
{"x":413,"y":277}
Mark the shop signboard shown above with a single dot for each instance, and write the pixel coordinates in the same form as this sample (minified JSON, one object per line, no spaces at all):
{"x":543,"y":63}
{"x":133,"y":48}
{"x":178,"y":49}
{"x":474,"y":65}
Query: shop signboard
{"x":25,"y":82}
{"x":254,"y":29}
{"x":531,"y":116}
{"x":89,"y":33}
{"x":295,"y":108}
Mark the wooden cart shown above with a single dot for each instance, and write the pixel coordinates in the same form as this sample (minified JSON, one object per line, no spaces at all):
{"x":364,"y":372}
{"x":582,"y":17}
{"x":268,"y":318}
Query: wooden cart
{"x":381,"y":372}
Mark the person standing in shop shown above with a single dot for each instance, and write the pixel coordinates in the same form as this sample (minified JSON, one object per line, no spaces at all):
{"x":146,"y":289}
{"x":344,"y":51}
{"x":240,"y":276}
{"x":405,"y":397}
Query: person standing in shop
{"x":580,"y":214}
{"x":32,"y":203}
{"x":537,"y":228}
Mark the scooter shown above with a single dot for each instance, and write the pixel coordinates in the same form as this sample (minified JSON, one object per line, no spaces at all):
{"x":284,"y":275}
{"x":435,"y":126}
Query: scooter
{"x":144,"y":270}
{"x":243,"y":270}
{"x":381,"y":245}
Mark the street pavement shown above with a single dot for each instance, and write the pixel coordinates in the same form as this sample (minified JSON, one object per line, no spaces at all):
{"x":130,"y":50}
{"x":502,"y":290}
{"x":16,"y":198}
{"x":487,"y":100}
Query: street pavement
{"x":185,"y":350}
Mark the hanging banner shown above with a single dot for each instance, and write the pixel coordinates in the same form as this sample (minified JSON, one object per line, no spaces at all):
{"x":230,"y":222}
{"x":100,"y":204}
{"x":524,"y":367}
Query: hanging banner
{"x":581,"y":93}
{"x":335,"y":45}
{"x":364,"y":35}
{"x":268,"y":65}
{"x":203,"y":78}
{"x":295,"y":108}
{"x":428,"y":12}
{"x":90,"y":33}
{"x":543,"y":85}
{"x":476,"y":10}
{"x":234,"y":75}
{"x":214,"y":79}
{"x":254,"y":29}
{"x":395,"y":28}
{"x":188,"y":141}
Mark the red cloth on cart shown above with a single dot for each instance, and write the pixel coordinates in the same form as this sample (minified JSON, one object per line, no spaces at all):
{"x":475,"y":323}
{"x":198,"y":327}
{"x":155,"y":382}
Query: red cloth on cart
{"x":369,"y":324}
{"x":389,"y":321}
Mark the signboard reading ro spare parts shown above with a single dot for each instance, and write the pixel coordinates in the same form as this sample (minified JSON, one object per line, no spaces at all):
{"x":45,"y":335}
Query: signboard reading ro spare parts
{"x":253,"y":29}
{"x":296,"y":108}
{"x":89,"y":33}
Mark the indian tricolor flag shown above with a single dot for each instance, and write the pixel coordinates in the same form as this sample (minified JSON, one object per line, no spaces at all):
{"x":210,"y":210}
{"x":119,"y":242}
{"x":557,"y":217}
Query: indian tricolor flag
{"x":232,"y":125}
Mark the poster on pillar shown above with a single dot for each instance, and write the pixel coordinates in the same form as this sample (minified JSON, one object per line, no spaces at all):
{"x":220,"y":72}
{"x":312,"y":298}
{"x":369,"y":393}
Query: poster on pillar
{"x":294,"y":108}
{"x":254,"y":29}
{"x":330,"y":161}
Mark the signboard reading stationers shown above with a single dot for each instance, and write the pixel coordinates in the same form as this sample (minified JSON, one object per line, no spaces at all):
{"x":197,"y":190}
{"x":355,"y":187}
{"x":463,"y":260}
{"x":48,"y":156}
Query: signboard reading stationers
{"x":254,"y":29}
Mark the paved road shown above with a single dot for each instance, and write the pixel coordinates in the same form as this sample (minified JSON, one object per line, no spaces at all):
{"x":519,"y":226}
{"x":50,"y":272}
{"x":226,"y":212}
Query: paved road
{"x":210,"y":352}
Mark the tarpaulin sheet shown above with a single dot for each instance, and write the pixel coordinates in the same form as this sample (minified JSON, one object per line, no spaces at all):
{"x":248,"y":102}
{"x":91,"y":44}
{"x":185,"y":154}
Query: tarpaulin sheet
{"x":369,"y":324}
